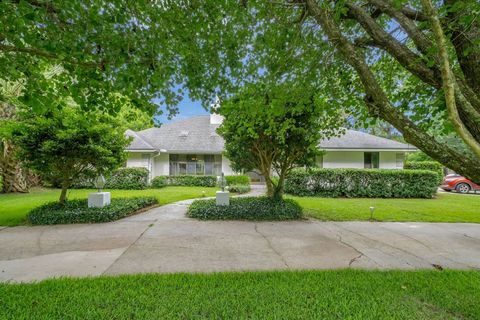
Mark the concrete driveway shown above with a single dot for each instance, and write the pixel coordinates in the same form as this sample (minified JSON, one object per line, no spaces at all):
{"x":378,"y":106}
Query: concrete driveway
{"x":164,"y":240}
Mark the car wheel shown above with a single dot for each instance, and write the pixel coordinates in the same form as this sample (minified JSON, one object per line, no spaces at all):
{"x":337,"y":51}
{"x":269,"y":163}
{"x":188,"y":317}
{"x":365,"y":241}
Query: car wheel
{"x":462,"y":188}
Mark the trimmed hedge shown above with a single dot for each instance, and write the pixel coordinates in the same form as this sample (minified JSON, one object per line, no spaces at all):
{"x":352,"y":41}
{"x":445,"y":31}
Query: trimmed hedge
{"x":159,"y":182}
{"x":246,"y":208}
{"x":135,"y":178}
{"x":197,"y":181}
{"x":362,"y":183}
{"x":77,"y":211}
{"x":128,"y":178}
{"x":426,"y":165}
{"x":239,"y":188}
{"x":237,"y":180}
{"x":191,"y":181}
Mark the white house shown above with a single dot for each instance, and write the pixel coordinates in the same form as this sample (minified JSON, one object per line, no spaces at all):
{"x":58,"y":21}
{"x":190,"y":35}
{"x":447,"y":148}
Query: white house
{"x":193,"y":147}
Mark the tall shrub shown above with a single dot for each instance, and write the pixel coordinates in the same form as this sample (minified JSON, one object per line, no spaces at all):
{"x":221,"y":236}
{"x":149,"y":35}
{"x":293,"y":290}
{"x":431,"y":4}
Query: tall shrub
{"x":128,"y":178}
{"x":426,"y":165}
{"x":362,"y":183}
{"x":237,"y":180}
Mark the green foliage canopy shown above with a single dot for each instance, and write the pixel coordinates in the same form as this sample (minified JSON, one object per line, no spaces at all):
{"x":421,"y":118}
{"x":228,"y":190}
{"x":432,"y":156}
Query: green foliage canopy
{"x":273,"y":130}
{"x":66,"y":144}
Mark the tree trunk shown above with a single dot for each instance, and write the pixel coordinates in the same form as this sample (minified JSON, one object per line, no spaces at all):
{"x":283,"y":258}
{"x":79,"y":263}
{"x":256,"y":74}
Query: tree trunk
{"x":269,"y":185}
{"x":278,"y":189}
{"x":63,"y":195}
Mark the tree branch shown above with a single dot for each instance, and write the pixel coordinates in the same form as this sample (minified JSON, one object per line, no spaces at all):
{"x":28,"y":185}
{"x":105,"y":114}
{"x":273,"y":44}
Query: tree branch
{"x":378,"y":103}
{"x":421,"y":41}
{"x":448,"y":79}
{"x":411,"y":61}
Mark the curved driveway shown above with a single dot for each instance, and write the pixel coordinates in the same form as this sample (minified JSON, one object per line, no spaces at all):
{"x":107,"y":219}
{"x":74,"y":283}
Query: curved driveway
{"x":165,"y":240}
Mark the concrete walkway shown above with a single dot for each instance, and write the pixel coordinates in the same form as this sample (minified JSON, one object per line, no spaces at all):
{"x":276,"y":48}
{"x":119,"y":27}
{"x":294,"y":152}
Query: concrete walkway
{"x":165,"y":240}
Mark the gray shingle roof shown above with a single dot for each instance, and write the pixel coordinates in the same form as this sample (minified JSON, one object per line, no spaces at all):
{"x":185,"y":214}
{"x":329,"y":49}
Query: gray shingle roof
{"x":197,"y":135}
{"x":138,"y":143}
{"x":194,"y":134}
{"x":362,"y":141}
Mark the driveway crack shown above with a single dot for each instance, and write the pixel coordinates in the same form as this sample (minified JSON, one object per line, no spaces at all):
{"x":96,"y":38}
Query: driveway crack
{"x":340,"y":239}
{"x":470,"y":237}
{"x":269,"y":243}
{"x":360,"y":253}
{"x":387,"y":245}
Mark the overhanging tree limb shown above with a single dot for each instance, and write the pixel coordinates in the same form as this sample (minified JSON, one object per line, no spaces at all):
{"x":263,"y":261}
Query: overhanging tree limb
{"x":378,"y":103}
{"x":449,"y":84}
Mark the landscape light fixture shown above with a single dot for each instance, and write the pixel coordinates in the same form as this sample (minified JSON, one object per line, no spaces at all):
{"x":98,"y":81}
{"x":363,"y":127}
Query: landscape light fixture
{"x":100,"y":182}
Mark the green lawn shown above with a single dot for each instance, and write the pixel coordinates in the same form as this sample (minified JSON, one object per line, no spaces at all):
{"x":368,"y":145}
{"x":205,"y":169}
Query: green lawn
{"x":14,"y":207}
{"x":345,"y":294}
{"x":444,"y":208}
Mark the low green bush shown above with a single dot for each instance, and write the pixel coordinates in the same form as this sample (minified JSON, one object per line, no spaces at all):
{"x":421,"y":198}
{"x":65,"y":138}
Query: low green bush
{"x":362,"y":183}
{"x":239,"y":188}
{"x":246,"y":208}
{"x":135,"y":178}
{"x":77,"y":211}
{"x":426,"y":165}
{"x":191,"y":181}
{"x":159,"y":182}
{"x":237,"y":180}
{"x":128,"y":178}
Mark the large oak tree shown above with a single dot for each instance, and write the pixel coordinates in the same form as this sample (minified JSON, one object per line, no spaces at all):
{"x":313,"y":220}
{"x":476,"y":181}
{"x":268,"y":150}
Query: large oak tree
{"x":411,"y":63}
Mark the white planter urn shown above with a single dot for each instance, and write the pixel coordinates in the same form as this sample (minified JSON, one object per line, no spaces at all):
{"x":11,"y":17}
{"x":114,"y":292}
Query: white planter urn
{"x":99,"y":199}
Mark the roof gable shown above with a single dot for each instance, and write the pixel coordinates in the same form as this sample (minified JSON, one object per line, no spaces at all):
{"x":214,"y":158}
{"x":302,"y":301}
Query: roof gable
{"x":194,"y":134}
{"x":138,"y":143}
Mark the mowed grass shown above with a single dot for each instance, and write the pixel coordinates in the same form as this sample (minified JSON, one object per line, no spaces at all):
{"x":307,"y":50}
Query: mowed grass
{"x":445,"y":207}
{"x":15,"y":207}
{"x":345,"y":294}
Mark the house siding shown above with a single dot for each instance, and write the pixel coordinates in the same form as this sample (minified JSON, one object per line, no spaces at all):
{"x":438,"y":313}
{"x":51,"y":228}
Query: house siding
{"x":343,"y":159}
{"x":226,"y":168}
{"x":355,"y":159}
{"x":159,"y":164}
{"x":388,"y":160}
{"x":137,"y":160}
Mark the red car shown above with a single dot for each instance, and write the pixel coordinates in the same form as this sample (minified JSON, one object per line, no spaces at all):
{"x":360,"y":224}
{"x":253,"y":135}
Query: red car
{"x":458,"y":183}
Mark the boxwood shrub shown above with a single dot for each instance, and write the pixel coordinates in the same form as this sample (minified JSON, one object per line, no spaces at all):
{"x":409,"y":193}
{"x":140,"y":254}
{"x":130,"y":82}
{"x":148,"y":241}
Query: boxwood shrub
{"x":123,"y":178}
{"x":362,"y":183}
{"x":237,"y":180}
{"x":246,"y":208}
{"x":159,"y":182}
{"x":77,"y":211}
{"x":128,"y":178}
{"x":190,"y":181}
{"x":426,"y":165}
{"x":239,"y":188}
